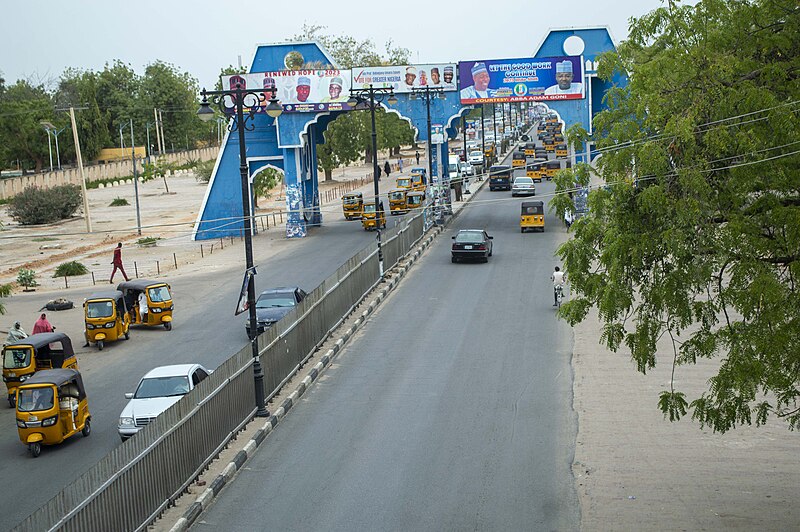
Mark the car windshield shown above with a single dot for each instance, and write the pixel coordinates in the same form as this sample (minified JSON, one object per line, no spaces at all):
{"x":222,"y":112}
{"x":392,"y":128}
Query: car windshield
{"x":16,"y":358}
{"x":351,"y":200}
{"x":523,"y":181}
{"x":35,"y":399}
{"x":162,"y":387}
{"x":454,"y":168}
{"x":397,"y":195}
{"x":275,"y":300}
{"x":99,"y":309}
{"x":369,"y":208}
{"x":159,"y":294}
{"x":469,"y":237}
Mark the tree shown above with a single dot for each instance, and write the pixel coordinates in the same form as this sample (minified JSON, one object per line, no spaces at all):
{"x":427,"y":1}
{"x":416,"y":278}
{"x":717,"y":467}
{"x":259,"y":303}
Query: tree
{"x":22,"y":137}
{"x":117,"y":93}
{"x":78,"y":89}
{"x":165,"y":87}
{"x":5,"y":291}
{"x":696,"y":236}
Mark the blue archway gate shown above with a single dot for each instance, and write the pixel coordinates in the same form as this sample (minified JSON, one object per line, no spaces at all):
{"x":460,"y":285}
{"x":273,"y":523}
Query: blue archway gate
{"x":290,"y":141}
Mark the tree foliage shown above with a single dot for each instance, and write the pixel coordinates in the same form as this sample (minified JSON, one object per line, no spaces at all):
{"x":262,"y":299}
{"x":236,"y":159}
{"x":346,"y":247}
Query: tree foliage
{"x":35,"y":206}
{"x":695,"y":238}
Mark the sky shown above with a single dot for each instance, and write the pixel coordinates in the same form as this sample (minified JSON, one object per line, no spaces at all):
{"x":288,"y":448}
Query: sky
{"x":40,"y":39}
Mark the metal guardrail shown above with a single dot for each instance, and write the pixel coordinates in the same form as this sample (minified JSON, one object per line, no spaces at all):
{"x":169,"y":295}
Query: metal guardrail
{"x":134,"y":483}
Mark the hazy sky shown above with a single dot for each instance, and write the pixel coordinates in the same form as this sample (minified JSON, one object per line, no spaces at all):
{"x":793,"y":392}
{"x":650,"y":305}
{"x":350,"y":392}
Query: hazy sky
{"x":41,"y":38}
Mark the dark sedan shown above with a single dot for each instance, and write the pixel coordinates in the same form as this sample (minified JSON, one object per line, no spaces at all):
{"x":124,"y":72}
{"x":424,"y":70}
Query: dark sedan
{"x":274,"y":304}
{"x":471,"y":244}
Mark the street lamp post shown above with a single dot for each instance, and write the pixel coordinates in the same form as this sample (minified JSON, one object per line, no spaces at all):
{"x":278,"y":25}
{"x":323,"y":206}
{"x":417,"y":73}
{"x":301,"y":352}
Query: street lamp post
{"x":369,"y":97}
{"x":483,"y":142}
{"x":428,"y":93}
{"x":46,"y":126}
{"x":240,"y":97}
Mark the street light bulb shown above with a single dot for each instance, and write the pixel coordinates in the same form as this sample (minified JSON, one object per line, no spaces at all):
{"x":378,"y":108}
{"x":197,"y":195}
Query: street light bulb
{"x":274,"y":108}
{"x":205,"y":113}
{"x":353,"y":101}
{"x":392,"y":99}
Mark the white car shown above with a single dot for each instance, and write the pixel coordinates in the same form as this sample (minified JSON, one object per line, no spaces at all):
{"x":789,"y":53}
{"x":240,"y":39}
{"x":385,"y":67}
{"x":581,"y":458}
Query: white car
{"x":466,"y":169}
{"x":158,"y":390}
{"x":523,"y":186}
{"x":475,"y":158}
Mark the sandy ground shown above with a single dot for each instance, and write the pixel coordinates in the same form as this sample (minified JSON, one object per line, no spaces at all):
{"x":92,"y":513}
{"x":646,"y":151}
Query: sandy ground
{"x":633,"y":469}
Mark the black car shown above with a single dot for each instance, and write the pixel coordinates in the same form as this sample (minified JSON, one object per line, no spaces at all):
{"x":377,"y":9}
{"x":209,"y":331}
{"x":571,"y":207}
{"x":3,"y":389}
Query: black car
{"x":471,"y":244}
{"x":274,"y":304}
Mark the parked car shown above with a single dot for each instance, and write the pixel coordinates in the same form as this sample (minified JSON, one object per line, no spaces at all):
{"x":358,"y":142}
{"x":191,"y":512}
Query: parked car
{"x":274,"y":304}
{"x":466,"y":169}
{"x":471,"y":244}
{"x":523,"y":186}
{"x":158,"y":390}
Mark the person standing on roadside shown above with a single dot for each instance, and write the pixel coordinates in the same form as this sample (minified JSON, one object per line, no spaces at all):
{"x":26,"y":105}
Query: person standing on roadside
{"x":42,"y":325}
{"x":416,"y":154}
{"x":117,"y":262}
{"x":400,"y":164}
{"x":387,"y":169}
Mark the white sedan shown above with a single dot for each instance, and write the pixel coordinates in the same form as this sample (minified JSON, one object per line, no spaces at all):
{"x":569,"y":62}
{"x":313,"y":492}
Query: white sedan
{"x":158,"y":390}
{"x":523,"y":186}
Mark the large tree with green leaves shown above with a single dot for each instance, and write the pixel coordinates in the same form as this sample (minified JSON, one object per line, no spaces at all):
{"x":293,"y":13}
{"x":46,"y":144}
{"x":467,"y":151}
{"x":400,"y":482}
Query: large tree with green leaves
{"x":22,"y":137}
{"x":696,"y":236}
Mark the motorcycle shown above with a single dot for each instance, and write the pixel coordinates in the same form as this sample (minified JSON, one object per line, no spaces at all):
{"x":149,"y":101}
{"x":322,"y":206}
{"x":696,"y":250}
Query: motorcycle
{"x":559,"y":294}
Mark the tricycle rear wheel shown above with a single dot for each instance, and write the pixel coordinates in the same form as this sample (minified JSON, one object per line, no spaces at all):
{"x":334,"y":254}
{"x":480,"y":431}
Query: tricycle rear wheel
{"x":35,"y":449}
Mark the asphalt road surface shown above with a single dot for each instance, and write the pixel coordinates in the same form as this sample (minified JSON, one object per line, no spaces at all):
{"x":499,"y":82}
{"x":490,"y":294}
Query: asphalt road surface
{"x":450,"y":410}
{"x":205,"y":331}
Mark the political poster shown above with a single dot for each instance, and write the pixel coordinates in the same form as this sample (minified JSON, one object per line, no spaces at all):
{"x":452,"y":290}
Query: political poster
{"x":298,"y":91}
{"x":521,"y":80}
{"x":405,"y":78}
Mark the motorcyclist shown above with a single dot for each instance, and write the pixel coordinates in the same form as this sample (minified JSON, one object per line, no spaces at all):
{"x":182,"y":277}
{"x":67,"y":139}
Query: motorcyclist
{"x":558,"y":279}
{"x":15,"y":334}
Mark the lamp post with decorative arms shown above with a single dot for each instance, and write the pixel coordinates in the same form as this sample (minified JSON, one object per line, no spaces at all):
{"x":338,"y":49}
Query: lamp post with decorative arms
{"x":427,"y":94}
{"x":369,"y":98}
{"x":235,"y":101}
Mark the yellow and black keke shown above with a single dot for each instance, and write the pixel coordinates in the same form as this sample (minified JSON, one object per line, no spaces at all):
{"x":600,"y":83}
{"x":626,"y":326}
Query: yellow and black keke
{"x":369,"y":219}
{"x":530,"y":149}
{"x":35,"y":353}
{"x":536,"y":171}
{"x":552,"y":168}
{"x":549,"y":145}
{"x":418,"y":179}
{"x":518,"y":159}
{"x":51,"y":407}
{"x":106,"y":318}
{"x":352,"y":204}
{"x":532,"y":216}
{"x":561,"y":151}
{"x":404,"y":182}
{"x":397,"y":201}
{"x":415,"y":200}
{"x":159,"y":302}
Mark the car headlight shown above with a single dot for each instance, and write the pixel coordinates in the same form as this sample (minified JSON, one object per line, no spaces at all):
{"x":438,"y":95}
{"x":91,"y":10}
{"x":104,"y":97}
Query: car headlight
{"x":89,"y":326}
{"x":23,"y":378}
{"x":21,"y":424}
{"x":110,"y":325}
{"x":126,"y":422}
{"x":50,"y":421}
{"x":155,"y":309}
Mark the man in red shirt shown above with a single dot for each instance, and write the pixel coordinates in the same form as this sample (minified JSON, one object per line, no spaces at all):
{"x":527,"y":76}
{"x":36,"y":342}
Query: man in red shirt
{"x":117,"y":262}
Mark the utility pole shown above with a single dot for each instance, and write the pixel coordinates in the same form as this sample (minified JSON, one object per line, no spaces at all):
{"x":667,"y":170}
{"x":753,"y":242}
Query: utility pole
{"x":80,"y":167}
{"x":135,"y":182}
{"x":163,"y":138}
{"x":158,"y":132}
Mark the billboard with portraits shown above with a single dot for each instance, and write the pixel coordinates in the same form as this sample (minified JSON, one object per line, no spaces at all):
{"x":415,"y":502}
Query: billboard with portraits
{"x":521,"y":80}
{"x":299,"y":90}
{"x":404,"y":78}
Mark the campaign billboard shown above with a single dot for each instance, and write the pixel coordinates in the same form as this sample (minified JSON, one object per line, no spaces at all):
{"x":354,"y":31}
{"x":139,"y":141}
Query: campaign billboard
{"x":521,"y":80}
{"x":405,"y":78}
{"x":299,"y":90}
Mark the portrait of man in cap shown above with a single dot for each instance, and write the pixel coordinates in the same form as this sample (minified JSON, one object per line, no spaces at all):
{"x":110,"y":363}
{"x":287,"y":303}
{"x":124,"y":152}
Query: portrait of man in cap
{"x":448,"y":74}
{"x":411,"y":75}
{"x":303,"y":88}
{"x":564,"y":84}
{"x":335,"y":91}
{"x":435,"y":79}
{"x":269,"y":84}
{"x":480,"y":87}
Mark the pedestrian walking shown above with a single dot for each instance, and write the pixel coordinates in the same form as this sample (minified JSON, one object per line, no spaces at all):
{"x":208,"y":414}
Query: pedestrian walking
{"x":42,"y":325}
{"x":416,"y":154}
{"x":117,"y":262}
{"x":387,"y":169}
{"x":400,"y":164}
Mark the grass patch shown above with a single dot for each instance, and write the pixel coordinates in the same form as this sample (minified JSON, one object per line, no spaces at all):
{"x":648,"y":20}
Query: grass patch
{"x":119,"y":202}
{"x":43,"y":239}
{"x":68,"y":269}
{"x":148,"y":241}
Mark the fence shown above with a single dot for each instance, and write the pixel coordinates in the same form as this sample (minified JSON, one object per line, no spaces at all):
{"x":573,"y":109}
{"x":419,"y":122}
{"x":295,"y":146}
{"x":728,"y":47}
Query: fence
{"x":10,"y":187}
{"x":135,"y":482}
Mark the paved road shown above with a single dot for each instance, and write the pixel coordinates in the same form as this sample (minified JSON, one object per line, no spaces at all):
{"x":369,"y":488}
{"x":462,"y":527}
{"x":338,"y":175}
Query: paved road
{"x":205,"y":331}
{"x":451,"y":410}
